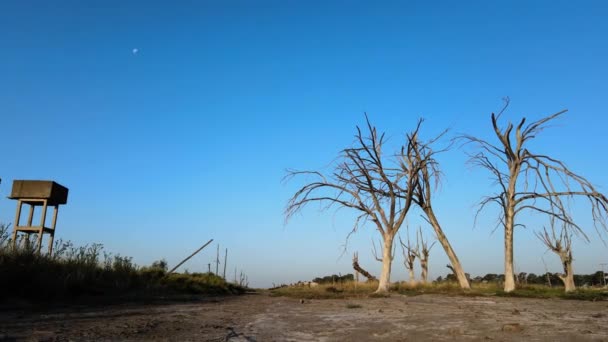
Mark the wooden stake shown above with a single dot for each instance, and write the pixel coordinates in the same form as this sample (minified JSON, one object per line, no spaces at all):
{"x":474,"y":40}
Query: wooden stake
{"x":225,"y":259}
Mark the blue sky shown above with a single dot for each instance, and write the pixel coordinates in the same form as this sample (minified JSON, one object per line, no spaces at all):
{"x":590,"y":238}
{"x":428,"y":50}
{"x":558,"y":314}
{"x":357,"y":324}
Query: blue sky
{"x":188,"y":139}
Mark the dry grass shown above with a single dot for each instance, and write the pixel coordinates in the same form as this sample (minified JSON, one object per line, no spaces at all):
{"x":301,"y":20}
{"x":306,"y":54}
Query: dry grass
{"x":349,"y":289}
{"x":364,"y":290}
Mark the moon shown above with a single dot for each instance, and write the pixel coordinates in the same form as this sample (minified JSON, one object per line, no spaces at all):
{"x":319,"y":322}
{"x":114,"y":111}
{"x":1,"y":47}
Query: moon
{"x":135,"y":51}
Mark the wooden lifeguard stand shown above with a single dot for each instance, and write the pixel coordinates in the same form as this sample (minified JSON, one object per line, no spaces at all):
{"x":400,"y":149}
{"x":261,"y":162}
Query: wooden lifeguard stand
{"x":37,"y":193}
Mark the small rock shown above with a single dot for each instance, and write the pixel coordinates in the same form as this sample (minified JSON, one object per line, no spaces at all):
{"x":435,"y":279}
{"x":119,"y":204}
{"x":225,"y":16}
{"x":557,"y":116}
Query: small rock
{"x":516,"y":312}
{"x":380,"y":310}
{"x":301,"y":301}
{"x":512,"y":327}
{"x":598,"y":315}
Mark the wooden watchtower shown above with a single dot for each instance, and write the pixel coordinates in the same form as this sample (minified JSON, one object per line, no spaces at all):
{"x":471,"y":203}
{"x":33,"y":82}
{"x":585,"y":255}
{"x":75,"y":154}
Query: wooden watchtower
{"x":37,"y":193}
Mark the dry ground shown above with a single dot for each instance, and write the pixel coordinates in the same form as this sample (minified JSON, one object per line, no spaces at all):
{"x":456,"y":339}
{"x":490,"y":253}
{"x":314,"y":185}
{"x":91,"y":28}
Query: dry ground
{"x":261,"y":317}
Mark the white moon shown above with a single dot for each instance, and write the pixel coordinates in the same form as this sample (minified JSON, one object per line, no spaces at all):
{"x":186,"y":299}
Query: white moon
{"x":135,"y":51}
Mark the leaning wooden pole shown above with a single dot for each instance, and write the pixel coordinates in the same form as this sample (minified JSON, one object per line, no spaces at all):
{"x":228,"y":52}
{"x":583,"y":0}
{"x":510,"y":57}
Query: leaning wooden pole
{"x":191,"y":255}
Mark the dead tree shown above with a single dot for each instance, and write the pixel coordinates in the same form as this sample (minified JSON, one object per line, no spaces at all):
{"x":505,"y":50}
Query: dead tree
{"x":381,"y":189}
{"x":423,"y":256}
{"x":421,"y":156}
{"x":409,"y":257}
{"x":561,"y":244}
{"x":530,"y":181}
{"x":522,"y":278}
{"x":547,"y":274}
{"x":364,"y":180}
{"x":360,"y":269}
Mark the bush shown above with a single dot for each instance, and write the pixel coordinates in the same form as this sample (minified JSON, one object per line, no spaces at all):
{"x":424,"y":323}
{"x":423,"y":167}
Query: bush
{"x":88,"y":270}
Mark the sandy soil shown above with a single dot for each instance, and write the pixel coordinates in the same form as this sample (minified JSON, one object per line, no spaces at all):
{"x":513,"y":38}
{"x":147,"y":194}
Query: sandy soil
{"x":261,"y":317}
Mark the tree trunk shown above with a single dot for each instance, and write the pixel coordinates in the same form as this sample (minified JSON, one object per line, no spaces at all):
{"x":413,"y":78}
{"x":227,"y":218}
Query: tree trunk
{"x":568,"y":281}
{"x":509,"y":273}
{"x":360,"y":269}
{"x":412,"y":276}
{"x":387,"y":260}
{"x":568,"y":277}
{"x":443,"y":240}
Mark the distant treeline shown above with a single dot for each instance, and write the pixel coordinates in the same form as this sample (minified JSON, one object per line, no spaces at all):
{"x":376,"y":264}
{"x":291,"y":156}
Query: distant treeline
{"x":334,"y":279}
{"x":594,"y":279}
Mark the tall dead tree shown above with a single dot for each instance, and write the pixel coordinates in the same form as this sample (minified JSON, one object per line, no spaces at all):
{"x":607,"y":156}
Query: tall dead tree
{"x":420,"y":155}
{"x":530,"y":181}
{"x":409,"y":256}
{"x":365,"y":180}
{"x":561,"y":244}
{"x":360,"y":269}
{"x":381,"y":189}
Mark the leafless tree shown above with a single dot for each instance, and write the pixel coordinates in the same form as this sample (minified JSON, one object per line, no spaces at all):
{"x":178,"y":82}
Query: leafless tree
{"x":381,"y":188}
{"x":409,"y":256}
{"x":530,"y":181}
{"x":366,"y":180}
{"x":561,"y":244}
{"x":423,"y":254}
{"x":421,"y":154}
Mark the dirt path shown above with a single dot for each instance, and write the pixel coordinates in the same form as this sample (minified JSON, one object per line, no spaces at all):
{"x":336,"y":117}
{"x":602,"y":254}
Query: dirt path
{"x":264,"y":318}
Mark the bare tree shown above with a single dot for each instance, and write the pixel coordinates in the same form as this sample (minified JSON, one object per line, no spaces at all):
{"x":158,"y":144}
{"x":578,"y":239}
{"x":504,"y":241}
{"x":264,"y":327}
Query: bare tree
{"x":364,"y":180}
{"x":530,"y":181}
{"x":421,"y":154}
{"x":409,"y":256}
{"x":561,"y":244}
{"x":423,"y":255}
{"x":360,"y":269}
{"x":381,"y":189}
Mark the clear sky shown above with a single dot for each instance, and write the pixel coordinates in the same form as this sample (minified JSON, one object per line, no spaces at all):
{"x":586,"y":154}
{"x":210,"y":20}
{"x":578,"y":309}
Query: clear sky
{"x":187,"y":137}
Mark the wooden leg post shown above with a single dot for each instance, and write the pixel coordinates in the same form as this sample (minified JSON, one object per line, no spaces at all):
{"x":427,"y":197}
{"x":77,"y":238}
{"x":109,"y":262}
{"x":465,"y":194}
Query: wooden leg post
{"x":18,"y":215}
{"x":52,"y":237}
{"x":42,"y":221}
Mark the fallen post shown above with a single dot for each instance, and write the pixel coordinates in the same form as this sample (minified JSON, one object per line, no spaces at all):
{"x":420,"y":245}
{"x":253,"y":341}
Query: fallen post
{"x":188,"y":258}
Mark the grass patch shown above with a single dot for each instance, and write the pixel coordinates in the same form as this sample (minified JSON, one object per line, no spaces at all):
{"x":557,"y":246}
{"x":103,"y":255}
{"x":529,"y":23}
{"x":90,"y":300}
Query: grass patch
{"x":367,"y":290}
